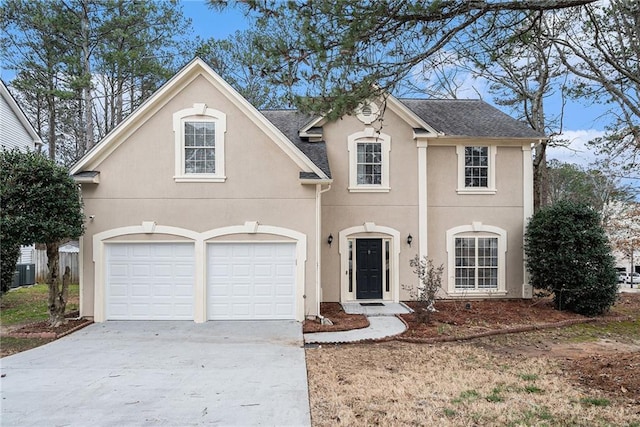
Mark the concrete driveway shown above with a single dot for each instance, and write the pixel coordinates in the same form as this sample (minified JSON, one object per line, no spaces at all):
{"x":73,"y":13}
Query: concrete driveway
{"x":161,"y":374}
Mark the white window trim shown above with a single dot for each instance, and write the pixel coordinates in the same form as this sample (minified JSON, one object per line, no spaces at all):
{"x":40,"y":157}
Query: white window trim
{"x":476,"y":229}
{"x":368,"y":135}
{"x":199,"y":112}
{"x":491,"y":189}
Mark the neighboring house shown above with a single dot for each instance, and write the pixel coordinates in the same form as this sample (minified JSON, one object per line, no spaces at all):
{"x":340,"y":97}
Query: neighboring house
{"x":15,"y":129}
{"x":16,"y":132}
{"x":201,"y":207}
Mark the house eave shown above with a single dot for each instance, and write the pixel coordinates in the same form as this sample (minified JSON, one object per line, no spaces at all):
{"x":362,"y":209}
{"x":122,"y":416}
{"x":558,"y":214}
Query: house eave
{"x":92,"y":177}
{"x":310,"y":181}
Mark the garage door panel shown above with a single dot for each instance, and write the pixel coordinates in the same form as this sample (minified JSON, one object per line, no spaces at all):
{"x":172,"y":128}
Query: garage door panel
{"x":244,"y":279}
{"x":150,"y":281}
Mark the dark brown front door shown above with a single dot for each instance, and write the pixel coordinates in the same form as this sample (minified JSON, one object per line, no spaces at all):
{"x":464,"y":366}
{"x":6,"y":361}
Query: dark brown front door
{"x":369,"y":268}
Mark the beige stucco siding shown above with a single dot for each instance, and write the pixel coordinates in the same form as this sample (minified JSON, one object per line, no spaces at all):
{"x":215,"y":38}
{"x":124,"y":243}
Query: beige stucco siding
{"x":342,"y":209}
{"x":137,"y":184}
{"x":448,"y":209}
{"x":398,"y":208}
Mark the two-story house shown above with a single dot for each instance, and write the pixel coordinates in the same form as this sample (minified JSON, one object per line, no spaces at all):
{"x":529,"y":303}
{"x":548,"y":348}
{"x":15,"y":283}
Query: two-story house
{"x":201,"y":207}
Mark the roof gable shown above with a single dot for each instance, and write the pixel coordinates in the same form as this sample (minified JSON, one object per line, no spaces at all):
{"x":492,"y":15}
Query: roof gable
{"x":392,"y":103}
{"x":197,"y":67}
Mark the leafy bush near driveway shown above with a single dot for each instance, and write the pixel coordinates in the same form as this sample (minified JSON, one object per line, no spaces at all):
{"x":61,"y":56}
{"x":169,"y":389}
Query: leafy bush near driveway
{"x":568,"y":254}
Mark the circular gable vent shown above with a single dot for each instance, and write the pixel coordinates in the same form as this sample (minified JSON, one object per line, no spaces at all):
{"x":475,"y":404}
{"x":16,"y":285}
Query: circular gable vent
{"x":367,"y":113}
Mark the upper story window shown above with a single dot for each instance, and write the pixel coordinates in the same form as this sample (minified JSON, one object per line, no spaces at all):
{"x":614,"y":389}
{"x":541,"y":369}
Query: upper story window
{"x":476,"y":169}
{"x":199,"y":144}
{"x":199,"y":147}
{"x":369,"y":161}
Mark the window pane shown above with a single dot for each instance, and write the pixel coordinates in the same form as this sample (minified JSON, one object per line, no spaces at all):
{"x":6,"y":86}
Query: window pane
{"x":386,"y":263}
{"x":199,"y":151}
{"x":476,"y":171}
{"x":476,"y":263}
{"x":369,"y":163}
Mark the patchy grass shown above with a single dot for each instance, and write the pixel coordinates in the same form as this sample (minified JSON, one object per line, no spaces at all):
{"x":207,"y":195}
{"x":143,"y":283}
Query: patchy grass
{"x":595,"y":401}
{"x":29,"y":304}
{"x":26,"y":305}
{"x":11,"y":345}
{"x":627,"y":329}
{"x":449,"y":385}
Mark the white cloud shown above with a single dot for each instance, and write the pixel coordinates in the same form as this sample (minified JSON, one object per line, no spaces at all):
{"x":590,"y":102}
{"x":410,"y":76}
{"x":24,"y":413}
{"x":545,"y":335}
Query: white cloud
{"x":577,"y":151}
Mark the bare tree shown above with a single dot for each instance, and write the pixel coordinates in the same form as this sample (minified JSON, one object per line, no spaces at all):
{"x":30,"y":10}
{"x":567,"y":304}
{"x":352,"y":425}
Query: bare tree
{"x":602,"y":51}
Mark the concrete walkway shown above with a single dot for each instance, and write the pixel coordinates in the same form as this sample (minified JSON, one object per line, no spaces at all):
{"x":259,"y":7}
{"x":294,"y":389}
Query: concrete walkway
{"x":161,"y":374}
{"x":382,"y":323}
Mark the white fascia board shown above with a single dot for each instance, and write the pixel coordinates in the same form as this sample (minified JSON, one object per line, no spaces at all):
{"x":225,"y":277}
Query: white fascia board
{"x":185,"y":76}
{"x":487,"y":140}
{"x":308,"y":181}
{"x":315,"y":122}
{"x":86,"y":179}
{"x":19,"y":114}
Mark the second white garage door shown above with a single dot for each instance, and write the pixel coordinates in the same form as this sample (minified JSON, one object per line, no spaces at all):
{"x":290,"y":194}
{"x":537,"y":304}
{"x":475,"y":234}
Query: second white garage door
{"x":251,"y":281}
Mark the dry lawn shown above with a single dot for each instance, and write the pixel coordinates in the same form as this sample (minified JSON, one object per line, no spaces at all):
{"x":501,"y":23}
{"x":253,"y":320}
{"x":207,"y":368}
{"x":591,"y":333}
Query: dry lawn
{"x":452,"y":384}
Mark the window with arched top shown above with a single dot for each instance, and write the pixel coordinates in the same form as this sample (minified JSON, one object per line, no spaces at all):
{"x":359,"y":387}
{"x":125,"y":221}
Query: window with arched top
{"x":369,"y":161}
{"x":199,"y":144}
{"x":476,"y":259}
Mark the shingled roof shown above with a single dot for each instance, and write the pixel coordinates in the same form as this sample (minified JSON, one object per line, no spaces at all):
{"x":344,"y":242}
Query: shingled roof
{"x":468,"y":117}
{"x":451,"y":117}
{"x":289,"y":122}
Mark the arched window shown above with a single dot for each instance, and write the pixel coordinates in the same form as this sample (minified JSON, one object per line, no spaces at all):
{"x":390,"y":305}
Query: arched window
{"x":369,"y":161}
{"x":476,"y":257}
{"x":199,"y":144}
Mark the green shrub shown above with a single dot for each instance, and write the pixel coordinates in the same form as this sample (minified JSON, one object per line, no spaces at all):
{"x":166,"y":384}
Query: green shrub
{"x":568,"y":254}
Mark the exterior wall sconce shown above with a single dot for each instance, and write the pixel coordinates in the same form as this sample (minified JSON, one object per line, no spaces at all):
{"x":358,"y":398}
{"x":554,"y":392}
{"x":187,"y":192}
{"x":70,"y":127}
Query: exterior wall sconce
{"x":409,"y":240}
{"x":330,"y":239}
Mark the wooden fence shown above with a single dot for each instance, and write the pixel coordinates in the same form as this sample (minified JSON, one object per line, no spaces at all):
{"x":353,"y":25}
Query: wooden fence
{"x":66,"y":259}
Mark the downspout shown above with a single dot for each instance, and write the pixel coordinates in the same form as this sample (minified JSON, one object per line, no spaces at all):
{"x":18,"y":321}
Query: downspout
{"x":319,"y":192}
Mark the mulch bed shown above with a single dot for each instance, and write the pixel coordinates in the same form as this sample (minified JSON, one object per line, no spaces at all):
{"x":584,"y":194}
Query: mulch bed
{"x":43,"y":330}
{"x":457,"y":319}
{"x":341,"y":320}
{"x":617,"y":374}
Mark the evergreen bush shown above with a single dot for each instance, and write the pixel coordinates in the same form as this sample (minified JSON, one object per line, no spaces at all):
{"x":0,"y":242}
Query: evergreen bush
{"x":568,"y":254}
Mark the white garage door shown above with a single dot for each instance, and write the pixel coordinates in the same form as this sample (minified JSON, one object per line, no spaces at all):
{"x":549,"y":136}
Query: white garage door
{"x":251,"y":281}
{"x":149,"y":281}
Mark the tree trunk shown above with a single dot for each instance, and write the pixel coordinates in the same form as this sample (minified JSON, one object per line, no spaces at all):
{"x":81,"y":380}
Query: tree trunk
{"x":540,"y":177}
{"x":57,"y":291}
{"x":86,"y":69}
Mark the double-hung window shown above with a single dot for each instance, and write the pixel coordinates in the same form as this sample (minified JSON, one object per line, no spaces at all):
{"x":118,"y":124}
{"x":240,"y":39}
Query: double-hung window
{"x":199,"y":147}
{"x":476,"y":263}
{"x":199,"y":144}
{"x":476,"y":259}
{"x":476,"y":169}
{"x":369,"y":161}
